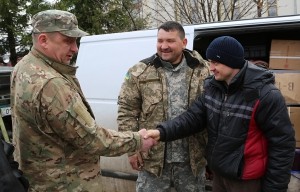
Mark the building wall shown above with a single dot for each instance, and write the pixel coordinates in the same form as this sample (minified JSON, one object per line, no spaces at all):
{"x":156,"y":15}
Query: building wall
{"x":288,"y":7}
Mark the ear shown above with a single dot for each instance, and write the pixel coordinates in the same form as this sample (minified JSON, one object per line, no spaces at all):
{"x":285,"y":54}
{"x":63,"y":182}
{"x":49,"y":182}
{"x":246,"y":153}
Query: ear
{"x":43,"y":40}
{"x":184,"y":42}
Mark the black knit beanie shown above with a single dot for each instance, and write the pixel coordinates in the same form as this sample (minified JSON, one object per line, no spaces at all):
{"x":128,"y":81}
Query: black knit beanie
{"x":226,"y":50}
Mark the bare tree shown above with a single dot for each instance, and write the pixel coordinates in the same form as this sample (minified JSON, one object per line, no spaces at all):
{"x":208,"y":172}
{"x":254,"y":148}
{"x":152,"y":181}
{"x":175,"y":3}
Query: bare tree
{"x":202,"y":11}
{"x":259,"y":4}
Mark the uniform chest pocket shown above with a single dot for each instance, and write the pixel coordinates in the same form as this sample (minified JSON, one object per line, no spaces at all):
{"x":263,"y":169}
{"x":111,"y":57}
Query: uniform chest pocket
{"x":151,"y":91}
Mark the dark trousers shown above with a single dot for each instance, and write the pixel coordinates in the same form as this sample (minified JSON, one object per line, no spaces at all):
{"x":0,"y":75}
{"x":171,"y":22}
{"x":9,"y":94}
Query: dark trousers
{"x":222,"y":184}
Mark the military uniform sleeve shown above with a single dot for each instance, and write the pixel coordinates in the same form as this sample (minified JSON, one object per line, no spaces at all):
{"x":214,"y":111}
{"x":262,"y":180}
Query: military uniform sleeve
{"x":130,"y":104}
{"x":64,"y":112}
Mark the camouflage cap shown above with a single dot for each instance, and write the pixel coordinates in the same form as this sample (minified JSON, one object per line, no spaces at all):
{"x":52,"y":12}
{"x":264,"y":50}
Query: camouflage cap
{"x":56,"y":20}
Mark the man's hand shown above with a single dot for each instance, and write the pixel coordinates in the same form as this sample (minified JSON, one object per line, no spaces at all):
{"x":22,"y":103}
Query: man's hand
{"x":152,"y":133}
{"x":147,"y":143}
{"x":136,"y":161}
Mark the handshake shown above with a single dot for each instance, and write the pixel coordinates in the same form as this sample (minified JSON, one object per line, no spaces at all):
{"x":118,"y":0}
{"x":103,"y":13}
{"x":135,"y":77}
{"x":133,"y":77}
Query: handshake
{"x":149,"y":138}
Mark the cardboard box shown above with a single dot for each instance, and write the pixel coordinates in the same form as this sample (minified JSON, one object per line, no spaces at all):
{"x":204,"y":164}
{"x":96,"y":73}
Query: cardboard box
{"x":285,"y":54}
{"x":288,"y":82}
{"x":294,"y":113}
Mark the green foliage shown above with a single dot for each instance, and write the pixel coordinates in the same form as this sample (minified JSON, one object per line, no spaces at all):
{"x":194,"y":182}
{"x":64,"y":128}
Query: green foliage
{"x":14,"y":29}
{"x":94,"y":16}
{"x":36,"y":6}
{"x":104,"y":16}
{"x":12,"y":21}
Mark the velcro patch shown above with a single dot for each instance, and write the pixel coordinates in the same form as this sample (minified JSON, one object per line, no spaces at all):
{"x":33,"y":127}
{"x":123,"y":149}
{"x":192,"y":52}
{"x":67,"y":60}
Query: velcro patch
{"x":82,"y":112}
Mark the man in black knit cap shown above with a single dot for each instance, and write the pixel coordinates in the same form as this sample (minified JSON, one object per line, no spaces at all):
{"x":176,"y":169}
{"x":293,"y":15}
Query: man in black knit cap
{"x":251,"y":141}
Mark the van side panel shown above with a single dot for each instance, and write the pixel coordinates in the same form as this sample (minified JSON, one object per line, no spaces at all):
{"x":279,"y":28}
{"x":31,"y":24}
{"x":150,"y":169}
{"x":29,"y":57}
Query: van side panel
{"x":103,"y":61}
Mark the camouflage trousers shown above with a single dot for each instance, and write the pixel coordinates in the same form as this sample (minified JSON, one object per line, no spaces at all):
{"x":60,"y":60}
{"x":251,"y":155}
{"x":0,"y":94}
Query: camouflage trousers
{"x":177,"y":175}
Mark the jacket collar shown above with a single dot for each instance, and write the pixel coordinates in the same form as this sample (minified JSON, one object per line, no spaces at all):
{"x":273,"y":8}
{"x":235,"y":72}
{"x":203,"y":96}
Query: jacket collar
{"x":60,"y":67}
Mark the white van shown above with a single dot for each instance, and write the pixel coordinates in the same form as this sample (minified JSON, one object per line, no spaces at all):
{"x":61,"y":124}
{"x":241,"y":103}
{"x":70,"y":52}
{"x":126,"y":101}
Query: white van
{"x":103,"y":61}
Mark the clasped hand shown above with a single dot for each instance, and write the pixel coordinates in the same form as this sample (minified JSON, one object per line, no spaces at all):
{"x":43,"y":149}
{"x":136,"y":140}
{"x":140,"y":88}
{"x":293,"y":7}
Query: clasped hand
{"x":149,"y":139}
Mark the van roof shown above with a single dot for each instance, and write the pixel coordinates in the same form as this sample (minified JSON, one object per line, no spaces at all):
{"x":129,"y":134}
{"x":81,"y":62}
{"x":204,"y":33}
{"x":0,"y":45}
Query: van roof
{"x":250,"y":22}
{"x":265,"y":22}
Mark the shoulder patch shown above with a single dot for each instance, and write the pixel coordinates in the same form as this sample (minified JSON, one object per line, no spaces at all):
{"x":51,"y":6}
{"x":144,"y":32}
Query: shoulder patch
{"x":127,"y":76}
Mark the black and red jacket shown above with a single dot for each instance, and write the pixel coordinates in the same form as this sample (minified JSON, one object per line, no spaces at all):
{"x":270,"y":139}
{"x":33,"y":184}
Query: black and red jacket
{"x":250,"y":135}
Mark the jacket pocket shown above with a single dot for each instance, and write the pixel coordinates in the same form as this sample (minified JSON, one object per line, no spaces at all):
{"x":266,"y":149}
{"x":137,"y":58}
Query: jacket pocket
{"x":151,"y":91}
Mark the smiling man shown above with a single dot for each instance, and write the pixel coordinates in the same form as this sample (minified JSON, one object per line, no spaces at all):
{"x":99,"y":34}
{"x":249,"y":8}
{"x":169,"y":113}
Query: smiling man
{"x":156,"y":89}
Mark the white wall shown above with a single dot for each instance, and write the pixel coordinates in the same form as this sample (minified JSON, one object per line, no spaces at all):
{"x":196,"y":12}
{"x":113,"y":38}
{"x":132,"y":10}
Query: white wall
{"x":288,"y":7}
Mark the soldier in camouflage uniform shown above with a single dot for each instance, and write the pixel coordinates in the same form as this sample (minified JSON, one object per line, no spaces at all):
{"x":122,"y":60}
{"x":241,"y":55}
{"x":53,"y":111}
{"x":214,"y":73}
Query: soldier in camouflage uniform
{"x":58,"y":142}
{"x":156,"y":89}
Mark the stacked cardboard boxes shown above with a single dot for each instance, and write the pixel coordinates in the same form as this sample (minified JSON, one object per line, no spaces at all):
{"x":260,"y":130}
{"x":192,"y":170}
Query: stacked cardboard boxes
{"x":285,"y":54}
{"x":288,"y":81}
{"x":285,"y":63}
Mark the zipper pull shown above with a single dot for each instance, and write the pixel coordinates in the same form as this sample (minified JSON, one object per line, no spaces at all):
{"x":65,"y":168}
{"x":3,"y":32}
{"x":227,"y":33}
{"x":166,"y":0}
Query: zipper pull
{"x":225,"y":97}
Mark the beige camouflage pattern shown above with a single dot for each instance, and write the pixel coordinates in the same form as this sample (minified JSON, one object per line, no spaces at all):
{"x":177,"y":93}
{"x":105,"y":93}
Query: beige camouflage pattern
{"x":143,"y":103}
{"x":56,"y":20}
{"x":58,"y":143}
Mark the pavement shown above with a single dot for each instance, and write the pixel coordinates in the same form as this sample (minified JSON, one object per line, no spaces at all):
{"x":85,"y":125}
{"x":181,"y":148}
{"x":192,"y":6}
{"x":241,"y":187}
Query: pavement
{"x":294,"y":185}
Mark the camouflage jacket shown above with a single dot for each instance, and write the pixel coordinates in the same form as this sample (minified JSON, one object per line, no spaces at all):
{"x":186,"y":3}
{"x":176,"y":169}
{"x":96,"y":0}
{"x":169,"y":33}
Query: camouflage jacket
{"x":143,"y":103}
{"x":58,"y":142}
